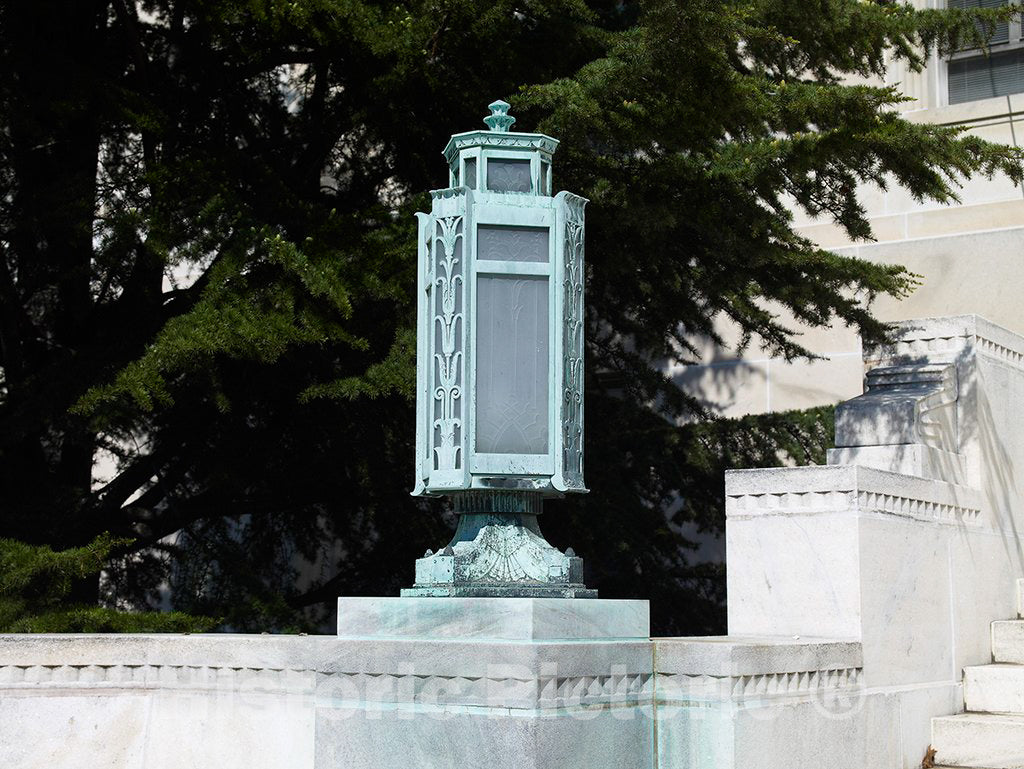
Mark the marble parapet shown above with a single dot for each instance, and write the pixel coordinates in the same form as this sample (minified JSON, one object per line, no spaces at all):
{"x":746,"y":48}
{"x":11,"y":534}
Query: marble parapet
{"x":848,"y":489}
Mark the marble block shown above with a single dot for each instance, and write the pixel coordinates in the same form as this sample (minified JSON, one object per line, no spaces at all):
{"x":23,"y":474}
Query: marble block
{"x":902,"y":404}
{"x":501,"y":619}
{"x":980,"y":740}
{"x":994,"y":688}
{"x":914,"y":459}
{"x":738,"y":655}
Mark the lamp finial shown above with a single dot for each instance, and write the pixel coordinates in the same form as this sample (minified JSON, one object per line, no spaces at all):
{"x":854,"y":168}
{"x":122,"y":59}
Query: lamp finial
{"x":499,"y":120}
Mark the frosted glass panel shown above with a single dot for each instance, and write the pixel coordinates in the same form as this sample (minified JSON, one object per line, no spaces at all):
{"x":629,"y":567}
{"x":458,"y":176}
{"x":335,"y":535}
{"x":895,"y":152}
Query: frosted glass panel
{"x":512,"y":365}
{"x":471,"y":173}
{"x":512,"y":244}
{"x":508,"y":175}
{"x":545,"y":178}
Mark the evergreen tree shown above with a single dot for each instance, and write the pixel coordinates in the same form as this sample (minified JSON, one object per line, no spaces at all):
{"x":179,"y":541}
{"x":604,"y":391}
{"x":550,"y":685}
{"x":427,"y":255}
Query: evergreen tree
{"x":259,"y":412}
{"x":35,"y":590}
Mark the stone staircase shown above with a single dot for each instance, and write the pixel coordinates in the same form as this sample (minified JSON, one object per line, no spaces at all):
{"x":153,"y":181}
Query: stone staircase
{"x":990,"y":733}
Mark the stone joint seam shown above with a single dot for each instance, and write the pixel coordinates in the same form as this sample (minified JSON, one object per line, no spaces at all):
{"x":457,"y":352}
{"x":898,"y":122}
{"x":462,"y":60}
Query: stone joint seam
{"x":545,"y":688}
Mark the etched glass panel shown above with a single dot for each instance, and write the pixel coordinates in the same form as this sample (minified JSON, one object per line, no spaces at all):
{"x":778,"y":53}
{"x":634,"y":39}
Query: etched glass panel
{"x":512,"y":365}
{"x":471,"y":173}
{"x":545,"y":178}
{"x":495,"y":242}
{"x":508,"y":175}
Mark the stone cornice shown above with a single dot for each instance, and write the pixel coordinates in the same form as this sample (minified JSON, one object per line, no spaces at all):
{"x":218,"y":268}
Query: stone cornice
{"x":607,"y":674}
{"x":853,"y":489}
{"x":948,"y":336}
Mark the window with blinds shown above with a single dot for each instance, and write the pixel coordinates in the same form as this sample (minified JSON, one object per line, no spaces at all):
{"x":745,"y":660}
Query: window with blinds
{"x":973,"y":74}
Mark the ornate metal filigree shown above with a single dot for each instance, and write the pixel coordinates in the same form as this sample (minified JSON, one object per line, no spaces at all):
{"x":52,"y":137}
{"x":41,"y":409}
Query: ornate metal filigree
{"x":448,"y":355}
{"x":500,"y":141}
{"x":499,"y":120}
{"x":572,"y":315}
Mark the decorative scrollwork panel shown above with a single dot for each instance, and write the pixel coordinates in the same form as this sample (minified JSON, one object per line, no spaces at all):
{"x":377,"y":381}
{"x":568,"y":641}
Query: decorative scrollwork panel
{"x":448,"y":377}
{"x":573,"y":321}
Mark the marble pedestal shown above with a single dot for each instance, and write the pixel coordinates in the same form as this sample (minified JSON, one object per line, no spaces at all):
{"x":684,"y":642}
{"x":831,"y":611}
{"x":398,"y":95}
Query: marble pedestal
{"x":494,"y":619}
{"x":506,"y":683}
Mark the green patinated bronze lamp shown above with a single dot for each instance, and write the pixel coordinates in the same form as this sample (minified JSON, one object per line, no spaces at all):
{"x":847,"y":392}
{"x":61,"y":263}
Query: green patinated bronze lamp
{"x":499,"y":406}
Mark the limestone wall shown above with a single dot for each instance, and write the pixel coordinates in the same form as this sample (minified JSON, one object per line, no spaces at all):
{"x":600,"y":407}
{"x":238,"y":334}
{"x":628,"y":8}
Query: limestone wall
{"x":967,"y":254}
{"x":916,"y":568}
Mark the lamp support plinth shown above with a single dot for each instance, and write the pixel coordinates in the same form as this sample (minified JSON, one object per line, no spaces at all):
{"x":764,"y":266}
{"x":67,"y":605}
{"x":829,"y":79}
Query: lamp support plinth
{"x":498,"y":551}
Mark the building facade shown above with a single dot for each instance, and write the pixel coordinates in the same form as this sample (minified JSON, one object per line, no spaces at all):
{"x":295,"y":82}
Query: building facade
{"x":969,"y":255}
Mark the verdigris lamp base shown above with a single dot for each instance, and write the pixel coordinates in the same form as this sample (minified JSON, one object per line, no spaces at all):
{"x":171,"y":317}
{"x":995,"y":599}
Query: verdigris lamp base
{"x":498,"y":551}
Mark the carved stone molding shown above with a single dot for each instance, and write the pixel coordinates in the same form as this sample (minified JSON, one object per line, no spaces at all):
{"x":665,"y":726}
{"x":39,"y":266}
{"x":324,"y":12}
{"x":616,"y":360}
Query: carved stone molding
{"x":764,"y":685}
{"x":753,"y":505}
{"x":277,"y":680}
{"x":920,"y":509}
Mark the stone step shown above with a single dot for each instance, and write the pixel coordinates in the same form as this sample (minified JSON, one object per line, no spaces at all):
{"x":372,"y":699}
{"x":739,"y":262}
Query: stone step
{"x":1008,"y":641}
{"x":997,"y":688}
{"x":979,"y":741}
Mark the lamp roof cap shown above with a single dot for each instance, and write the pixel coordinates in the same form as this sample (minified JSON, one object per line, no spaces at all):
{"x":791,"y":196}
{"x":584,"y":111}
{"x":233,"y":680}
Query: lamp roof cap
{"x":498,"y":135}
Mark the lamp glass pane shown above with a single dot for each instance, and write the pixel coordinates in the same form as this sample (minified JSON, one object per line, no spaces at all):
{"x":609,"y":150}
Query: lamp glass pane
{"x":508,"y":175}
{"x":512,"y":365}
{"x":471,"y":173}
{"x":496,"y":242}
